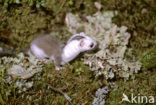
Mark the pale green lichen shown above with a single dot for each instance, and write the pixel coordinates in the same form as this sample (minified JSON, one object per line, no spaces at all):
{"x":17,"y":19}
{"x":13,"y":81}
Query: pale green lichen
{"x":113,"y":40}
{"x":100,"y":96}
{"x":23,"y":67}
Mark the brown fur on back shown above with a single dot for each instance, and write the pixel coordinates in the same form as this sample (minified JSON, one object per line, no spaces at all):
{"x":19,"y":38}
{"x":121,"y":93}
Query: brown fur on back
{"x":49,"y":44}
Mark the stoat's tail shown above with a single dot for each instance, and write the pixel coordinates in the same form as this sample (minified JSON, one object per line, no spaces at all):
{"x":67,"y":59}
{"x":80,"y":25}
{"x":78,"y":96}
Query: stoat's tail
{"x":6,"y":52}
{"x":12,"y":52}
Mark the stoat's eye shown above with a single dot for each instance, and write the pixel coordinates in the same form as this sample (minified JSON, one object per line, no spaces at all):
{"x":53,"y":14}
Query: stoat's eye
{"x":91,"y":45}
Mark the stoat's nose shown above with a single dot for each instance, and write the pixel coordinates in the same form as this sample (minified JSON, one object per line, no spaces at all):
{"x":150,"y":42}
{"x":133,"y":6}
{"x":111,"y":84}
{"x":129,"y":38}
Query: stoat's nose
{"x":97,"y":43}
{"x":96,"y":46}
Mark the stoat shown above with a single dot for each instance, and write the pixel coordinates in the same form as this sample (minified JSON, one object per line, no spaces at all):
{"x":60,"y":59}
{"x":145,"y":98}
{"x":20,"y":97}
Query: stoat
{"x":48,"y":46}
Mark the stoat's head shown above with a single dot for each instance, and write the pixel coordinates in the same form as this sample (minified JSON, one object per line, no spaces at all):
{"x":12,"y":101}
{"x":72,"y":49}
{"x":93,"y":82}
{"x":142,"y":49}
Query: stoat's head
{"x":85,"y":43}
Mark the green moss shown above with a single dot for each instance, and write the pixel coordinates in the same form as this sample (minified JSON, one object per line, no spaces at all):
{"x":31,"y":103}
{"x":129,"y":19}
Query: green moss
{"x":144,"y":84}
{"x":6,"y":90}
{"x":148,"y":58}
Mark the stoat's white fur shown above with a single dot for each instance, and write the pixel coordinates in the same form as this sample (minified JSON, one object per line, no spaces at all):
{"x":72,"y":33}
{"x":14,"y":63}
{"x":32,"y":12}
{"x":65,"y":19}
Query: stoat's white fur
{"x":38,"y":52}
{"x":70,"y":51}
{"x":73,"y":47}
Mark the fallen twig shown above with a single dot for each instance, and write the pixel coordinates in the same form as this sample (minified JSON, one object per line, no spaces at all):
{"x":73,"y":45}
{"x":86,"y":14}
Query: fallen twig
{"x":61,"y":92}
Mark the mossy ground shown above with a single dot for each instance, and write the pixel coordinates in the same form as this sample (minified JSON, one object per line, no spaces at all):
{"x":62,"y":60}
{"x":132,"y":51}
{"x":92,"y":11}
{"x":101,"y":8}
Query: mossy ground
{"x":143,"y":85}
{"x":21,"y":23}
{"x":78,"y":84}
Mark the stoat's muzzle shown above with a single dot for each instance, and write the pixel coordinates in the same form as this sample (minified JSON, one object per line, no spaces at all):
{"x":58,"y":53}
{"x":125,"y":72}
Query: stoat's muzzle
{"x":87,"y":44}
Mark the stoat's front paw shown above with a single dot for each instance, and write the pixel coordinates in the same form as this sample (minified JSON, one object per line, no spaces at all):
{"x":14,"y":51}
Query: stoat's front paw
{"x":59,"y":68}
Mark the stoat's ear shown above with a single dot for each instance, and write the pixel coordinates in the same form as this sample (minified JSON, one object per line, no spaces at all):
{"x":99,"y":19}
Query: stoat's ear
{"x":77,"y":37}
{"x":82,"y":43}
